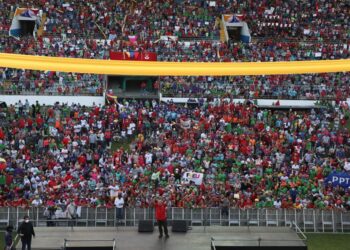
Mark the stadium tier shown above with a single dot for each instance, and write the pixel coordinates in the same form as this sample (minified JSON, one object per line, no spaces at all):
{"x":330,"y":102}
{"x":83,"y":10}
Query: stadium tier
{"x":233,"y":154}
{"x":216,"y":153}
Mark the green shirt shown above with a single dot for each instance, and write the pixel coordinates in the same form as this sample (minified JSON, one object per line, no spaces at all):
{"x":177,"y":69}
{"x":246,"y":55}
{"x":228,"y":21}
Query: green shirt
{"x":269,"y":203}
{"x":312,"y":173}
{"x":268,"y":171}
{"x":2,"y":179}
{"x":189,"y":152}
{"x":222,"y":177}
{"x":228,"y":128}
{"x":258,"y":178}
{"x":260,"y":204}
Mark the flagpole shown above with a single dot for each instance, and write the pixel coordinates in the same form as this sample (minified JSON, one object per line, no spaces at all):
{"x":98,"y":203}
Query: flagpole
{"x":100,"y":29}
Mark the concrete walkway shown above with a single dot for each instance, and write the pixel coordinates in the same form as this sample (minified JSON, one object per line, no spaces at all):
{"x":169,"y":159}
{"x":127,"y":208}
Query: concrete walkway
{"x":128,"y":237}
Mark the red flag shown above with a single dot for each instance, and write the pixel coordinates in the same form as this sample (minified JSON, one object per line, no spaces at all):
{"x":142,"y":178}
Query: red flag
{"x":116,"y":55}
{"x":149,"y":56}
{"x":133,"y":56}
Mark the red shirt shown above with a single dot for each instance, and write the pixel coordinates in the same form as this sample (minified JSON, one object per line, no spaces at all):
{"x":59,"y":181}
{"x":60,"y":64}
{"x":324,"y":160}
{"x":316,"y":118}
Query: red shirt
{"x":2,"y":134}
{"x":160,"y":210}
{"x":52,"y":183}
{"x":108,"y":135}
{"x":30,"y":122}
{"x":21,"y":123}
{"x":65,"y":141}
{"x":39,"y":121}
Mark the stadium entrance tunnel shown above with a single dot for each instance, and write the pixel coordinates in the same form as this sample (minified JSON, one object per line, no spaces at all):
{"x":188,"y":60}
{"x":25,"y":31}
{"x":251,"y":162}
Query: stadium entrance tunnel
{"x":234,"y":33}
{"x":134,"y":85}
{"x":27,"y":27}
{"x":131,"y":85}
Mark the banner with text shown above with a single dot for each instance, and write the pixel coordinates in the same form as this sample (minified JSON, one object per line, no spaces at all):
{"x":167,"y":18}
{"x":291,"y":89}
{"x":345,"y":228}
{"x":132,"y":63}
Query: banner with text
{"x":339,"y":179}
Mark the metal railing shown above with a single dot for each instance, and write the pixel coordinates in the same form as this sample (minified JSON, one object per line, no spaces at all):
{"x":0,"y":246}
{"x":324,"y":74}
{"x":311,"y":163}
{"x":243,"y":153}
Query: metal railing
{"x":261,"y":96}
{"x":308,"y":220}
{"x":300,"y":233}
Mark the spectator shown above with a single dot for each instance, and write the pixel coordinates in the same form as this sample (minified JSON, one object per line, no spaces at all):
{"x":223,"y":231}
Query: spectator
{"x":8,"y":238}
{"x":71,"y":213}
{"x":119,"y":204}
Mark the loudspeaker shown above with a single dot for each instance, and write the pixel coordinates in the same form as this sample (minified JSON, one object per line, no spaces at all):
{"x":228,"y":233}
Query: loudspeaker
{"x":179,"y":226}
{"x":146,"y":226}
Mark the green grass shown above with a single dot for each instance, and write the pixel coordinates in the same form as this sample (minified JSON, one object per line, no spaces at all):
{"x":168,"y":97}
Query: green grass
{"x":328,"y":241}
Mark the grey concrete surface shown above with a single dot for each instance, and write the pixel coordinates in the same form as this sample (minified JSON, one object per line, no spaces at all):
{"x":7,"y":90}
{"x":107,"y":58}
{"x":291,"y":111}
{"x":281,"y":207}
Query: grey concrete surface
{"x":128,"y":237}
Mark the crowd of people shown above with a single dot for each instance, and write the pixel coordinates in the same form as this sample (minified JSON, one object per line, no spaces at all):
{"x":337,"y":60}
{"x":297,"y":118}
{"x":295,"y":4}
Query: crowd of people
{"x":249,"y":157}
{"x":332,"y":86}
{"x":310,"y":86}
{"x":316,"y":20}
{"x":26,"y":82}
{"x":294,"y":30}
{"x":288,"y":31}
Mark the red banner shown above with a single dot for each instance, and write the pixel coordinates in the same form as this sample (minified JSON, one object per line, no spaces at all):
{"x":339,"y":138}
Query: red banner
{"x":148,"y":56}
{"x":133,"y":56}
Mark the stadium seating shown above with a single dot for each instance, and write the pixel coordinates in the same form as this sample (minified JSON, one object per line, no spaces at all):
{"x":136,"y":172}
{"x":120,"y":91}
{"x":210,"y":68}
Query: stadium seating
{"x":249,"y":157}
{"x":258,"y":158}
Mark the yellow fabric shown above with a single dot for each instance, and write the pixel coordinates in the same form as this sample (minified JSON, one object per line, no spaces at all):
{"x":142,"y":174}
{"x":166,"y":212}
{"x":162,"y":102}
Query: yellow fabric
{"x":140,"y":68}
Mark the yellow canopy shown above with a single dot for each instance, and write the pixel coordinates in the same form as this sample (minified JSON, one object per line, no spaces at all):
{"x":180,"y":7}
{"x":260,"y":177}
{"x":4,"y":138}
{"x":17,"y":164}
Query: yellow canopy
{"x":141,"y":68}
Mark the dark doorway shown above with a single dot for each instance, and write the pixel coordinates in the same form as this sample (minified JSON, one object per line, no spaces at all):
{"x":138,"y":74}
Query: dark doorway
{"x":27,"y":27}
{"x":234,"y":33}
{"x":115,"y":83}
{"x":134,"y":85}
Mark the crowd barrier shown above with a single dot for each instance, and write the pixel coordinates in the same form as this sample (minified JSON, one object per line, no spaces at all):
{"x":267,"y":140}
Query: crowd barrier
{"x":309,"y":220}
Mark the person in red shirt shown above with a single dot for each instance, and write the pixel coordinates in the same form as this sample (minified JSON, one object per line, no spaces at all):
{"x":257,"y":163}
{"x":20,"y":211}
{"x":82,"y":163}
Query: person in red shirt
{"x":39,"y":121}
{"x":160,"y":210}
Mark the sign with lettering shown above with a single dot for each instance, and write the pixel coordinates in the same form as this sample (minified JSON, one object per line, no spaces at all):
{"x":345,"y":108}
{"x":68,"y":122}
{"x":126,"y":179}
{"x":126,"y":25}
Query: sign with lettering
{"x":195,"y":177}
{"x":339,"y":179}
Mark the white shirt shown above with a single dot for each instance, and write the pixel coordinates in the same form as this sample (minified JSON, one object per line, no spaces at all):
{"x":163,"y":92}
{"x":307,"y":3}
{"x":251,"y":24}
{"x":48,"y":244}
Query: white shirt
{"x":37,"y":202}
{"x":277,"y":204}
{"x":295,"y":167}
{"x":113,"y":190}
{"x":119,"y":203}
{"x":129,"y":131}
{"x":148,"y":158}
{"x":77,"y":128}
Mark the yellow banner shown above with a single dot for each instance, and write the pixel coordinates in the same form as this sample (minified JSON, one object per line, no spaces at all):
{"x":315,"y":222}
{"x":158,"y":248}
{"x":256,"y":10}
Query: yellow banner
{"x":139,"y":68}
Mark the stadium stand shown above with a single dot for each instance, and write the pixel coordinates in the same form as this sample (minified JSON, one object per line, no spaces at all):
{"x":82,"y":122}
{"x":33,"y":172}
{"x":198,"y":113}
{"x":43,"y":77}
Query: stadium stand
{"x":267,"y":158}
{"x":249,"y":157}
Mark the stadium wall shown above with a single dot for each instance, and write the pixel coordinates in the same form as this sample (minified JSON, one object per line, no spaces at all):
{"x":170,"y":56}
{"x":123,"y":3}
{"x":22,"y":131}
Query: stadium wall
{"x":52,"y":99}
